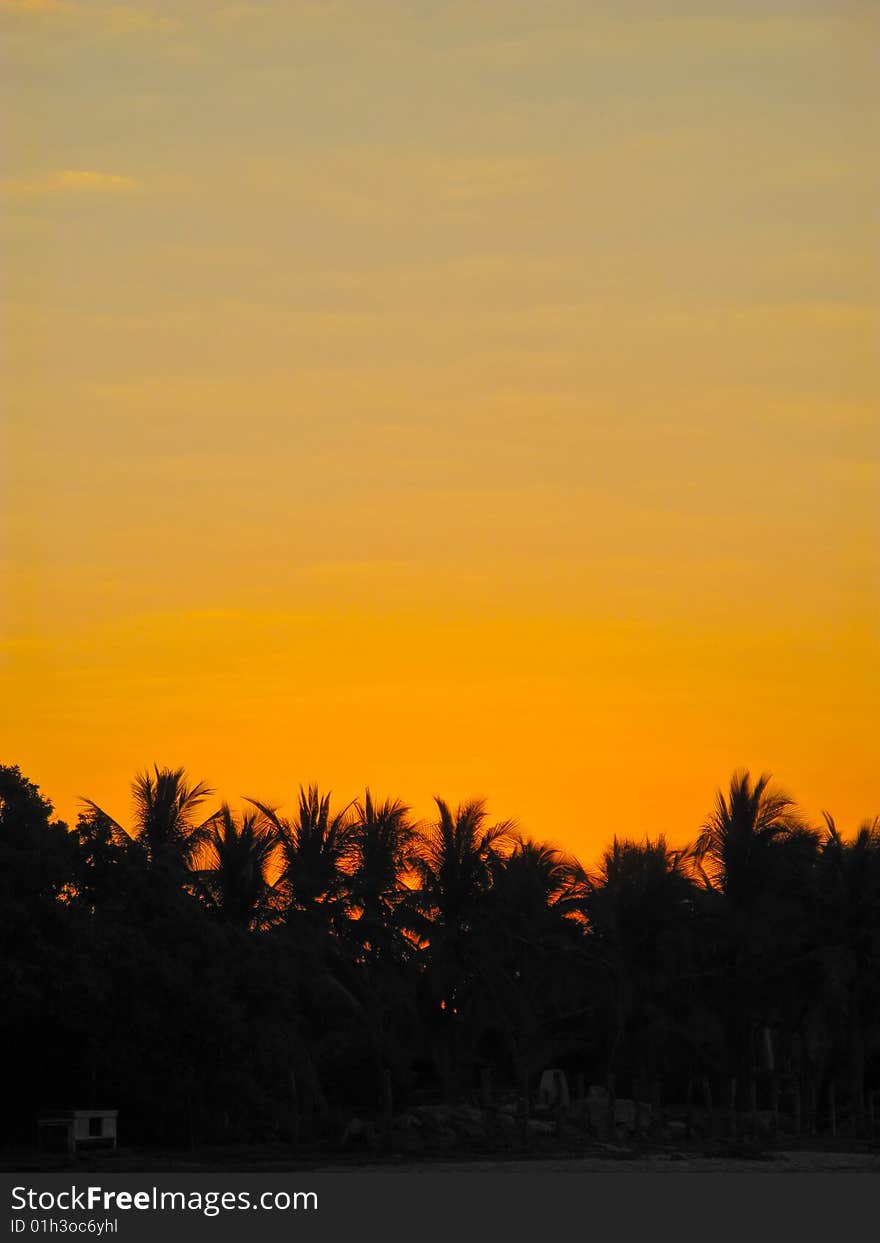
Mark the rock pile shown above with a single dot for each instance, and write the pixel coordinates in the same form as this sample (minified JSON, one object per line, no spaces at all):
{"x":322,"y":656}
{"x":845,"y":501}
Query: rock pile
{"x":439,"y":1128}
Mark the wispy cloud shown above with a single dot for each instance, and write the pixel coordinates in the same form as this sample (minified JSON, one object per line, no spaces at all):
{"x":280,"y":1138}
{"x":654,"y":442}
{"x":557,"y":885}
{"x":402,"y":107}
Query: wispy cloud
{"x":111,"y":18}
{"x":35,"y":6}
{"x":68,"y":181}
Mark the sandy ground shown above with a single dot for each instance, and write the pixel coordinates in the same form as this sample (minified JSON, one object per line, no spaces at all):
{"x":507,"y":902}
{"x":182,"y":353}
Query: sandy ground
{"x":610,"y":1161}
{"x":675,"y":1163}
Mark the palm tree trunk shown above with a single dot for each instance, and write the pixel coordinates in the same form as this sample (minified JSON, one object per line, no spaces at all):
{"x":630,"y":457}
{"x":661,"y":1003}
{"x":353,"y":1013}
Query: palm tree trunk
{"x":612,"y":1106}
{"x":445,"y":1060}
{"x":387,"y":1105}
{"x":857,"y":1061}
{"x":524,"y":1079}
{"x":294,"y":1109}
{"x":710,"y":1113}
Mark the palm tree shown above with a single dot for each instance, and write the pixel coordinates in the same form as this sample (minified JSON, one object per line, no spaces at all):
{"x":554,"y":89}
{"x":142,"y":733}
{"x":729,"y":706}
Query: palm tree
{"x":535,"y":878}
{"x":165,"y":826}
{"x":849,"y":890}
{"x":316,"y":852}
{"x":529,"y":964}
{"x":381,"y":946}
{"x":453,"y":870}
{"x":851,"y":867}
{"x":454,"y":864}
{"x":752,"y":834}
{"x":639,"y":907}
{"x":383,"y":841}
{"x":234,"y":866}
{"x":758,"y":853}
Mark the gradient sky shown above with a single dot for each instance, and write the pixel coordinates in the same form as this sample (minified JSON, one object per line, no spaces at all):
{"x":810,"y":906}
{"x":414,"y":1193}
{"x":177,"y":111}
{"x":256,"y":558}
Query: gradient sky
{"x":464,"y":397}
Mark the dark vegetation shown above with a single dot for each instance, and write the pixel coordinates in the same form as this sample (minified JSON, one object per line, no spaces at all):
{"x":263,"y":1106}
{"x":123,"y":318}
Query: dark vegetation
{"x":249,"y":977}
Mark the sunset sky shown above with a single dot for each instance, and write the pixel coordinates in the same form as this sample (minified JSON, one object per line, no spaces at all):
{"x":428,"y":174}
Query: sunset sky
{"x":459,"y":396}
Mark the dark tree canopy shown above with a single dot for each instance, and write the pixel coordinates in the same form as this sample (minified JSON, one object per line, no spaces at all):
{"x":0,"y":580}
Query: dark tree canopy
{"x":249,"y":974}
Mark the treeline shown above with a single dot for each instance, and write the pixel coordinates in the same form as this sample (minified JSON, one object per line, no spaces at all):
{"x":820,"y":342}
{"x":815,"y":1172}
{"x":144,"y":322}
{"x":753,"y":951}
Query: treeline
{"x":245,"y":976}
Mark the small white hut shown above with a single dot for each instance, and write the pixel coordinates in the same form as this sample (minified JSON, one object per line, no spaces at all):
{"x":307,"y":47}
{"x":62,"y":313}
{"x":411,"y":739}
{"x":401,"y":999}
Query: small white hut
{"x":74,"y":1128}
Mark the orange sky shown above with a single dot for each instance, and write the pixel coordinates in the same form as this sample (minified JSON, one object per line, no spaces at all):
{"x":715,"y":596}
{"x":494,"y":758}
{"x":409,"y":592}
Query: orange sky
{"x":463,"y":398}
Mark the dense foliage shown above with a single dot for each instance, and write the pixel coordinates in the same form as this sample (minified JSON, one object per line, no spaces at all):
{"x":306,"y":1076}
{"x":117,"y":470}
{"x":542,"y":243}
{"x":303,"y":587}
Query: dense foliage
{"x":244,"y":975}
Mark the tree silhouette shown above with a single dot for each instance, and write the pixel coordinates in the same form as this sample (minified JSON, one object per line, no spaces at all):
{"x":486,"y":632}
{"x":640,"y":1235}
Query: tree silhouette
{"x":383,"y":842}
{"x":272,"y":975}
{"x":165,"y":826}
{"x":752,"y":833}
{"x":316,"y":848}
{"x":35,"y":852}
{"x":528,"y":945}
{"x":849,"y":889}
{"x":760,"y":854}
{"x":453,"y":869}
{"x":640,"y":906}
{"x":454,"y":865}
{"x":234,"y":862}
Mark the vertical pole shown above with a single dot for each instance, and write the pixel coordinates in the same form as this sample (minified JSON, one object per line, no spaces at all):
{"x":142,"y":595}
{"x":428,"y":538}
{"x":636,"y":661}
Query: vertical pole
{"x":707,"y":1100}
{"x":524,"y":1089}
{"x":387,"y":1105}
{"x":832,"y":1108}
{"x":798,"y":1115}
{"x":656,"y":1109}
{"x":753,"y":1107}
{"x":294,"y":1110}
{"x":611,"y":1115}
{"x":872,"y":1134}
{"x":486,"y":1100}
{"x":813,"y":1105}
{"x":689,"y":1111}
{"x":732,"y":1107}
{"x":858,"y":1105}
{"x":774,"y":1105}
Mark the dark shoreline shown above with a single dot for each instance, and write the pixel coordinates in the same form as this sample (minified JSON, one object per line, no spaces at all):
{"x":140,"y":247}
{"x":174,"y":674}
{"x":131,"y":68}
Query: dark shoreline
{"x":790,"y":1156}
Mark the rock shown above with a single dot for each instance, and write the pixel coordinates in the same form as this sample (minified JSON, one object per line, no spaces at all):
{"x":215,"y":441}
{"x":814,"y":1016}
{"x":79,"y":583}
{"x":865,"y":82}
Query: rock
{"x":553,"y":1089}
